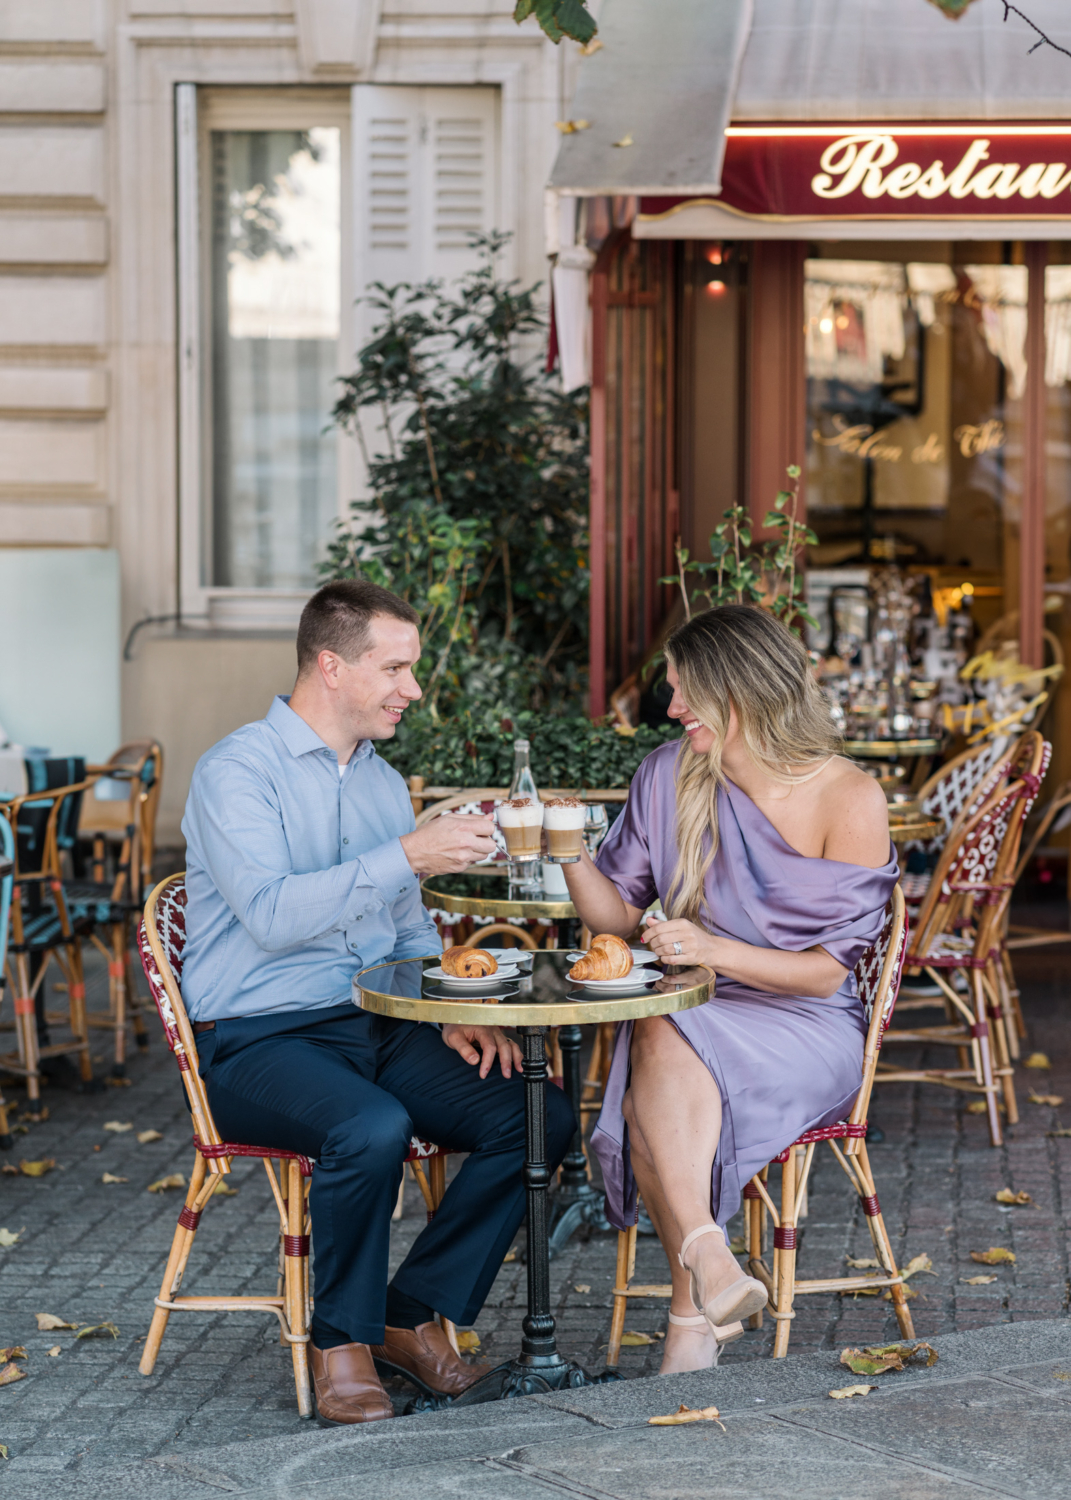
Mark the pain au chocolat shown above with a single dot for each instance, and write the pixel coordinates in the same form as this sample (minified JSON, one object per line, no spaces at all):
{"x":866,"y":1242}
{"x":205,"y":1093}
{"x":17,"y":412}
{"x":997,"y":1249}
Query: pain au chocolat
{"x":607,"y":958}
{"x":468,"y":963}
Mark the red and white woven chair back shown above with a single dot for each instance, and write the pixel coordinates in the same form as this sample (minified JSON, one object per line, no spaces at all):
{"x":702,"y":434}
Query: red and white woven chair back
{"x":974,"y":865}
{"x":955,"y":791}
{"x":869,"y":969}
{"x":171,"y":928}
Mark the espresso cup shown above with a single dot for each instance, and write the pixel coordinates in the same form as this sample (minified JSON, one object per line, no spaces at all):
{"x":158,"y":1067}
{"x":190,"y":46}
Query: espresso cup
{"x":521,"y":822}
{"x":563,"y":824}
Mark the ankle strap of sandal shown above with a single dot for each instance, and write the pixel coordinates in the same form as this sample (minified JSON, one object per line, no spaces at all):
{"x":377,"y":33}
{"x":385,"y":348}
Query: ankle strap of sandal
{"x":699,"y":1322}
{"x":695,"y":1234}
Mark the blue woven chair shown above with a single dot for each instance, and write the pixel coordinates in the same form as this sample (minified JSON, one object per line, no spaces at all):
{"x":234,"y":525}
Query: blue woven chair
{"x":45,"y":824}
{"x":7,"y":851}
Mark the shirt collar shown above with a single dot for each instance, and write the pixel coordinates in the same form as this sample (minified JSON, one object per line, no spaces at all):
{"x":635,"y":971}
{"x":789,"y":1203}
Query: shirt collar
{"x":300,"y":738}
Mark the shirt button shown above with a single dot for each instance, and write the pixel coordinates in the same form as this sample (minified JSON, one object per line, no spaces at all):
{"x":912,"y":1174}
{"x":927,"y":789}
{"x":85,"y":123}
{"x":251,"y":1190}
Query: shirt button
{"x":345,"y":841}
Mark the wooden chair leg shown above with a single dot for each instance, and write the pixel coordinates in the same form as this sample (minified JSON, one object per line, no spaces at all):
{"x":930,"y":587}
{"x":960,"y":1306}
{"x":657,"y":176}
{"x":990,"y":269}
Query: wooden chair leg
{"x":5,"y":1129}
{"x":76,"y":996}
{"x":117,"y":978}
{"x":434,"y":1196}
{"x":297,"y":1254}
{"x":26,"y":1028}
{"x":176,"y":1264}
{"x":755,"y":1208}
{"x":985,"y":1057}
{"x":882,"y":1244}
{"x":626,"y":1258}
{"x":1005,"y":1042}
{"x":785,"y":1259}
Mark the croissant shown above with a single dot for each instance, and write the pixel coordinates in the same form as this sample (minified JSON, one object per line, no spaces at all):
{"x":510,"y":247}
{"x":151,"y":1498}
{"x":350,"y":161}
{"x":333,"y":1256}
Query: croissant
{"x":607,"y":958}
{"x":468,"y":963}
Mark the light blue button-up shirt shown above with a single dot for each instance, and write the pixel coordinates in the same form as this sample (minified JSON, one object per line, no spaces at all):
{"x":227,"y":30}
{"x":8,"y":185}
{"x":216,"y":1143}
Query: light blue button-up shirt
{"x":295,"y":875}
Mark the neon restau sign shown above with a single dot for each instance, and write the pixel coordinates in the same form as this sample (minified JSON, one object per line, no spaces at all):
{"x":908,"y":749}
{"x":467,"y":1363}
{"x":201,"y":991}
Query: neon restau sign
{"x":983,"y":171}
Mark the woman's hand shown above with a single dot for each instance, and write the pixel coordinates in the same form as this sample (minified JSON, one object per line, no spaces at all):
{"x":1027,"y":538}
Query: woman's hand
{"x":695,"y":945}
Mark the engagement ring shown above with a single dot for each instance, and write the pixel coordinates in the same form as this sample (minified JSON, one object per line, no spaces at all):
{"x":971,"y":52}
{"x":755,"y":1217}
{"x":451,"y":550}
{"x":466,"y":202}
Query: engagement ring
{"x":678,"y":950}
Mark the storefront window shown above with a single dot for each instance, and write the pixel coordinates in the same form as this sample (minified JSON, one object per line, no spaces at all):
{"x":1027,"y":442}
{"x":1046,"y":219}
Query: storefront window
{"x":275,"y":329}
{"x":916,"y":371}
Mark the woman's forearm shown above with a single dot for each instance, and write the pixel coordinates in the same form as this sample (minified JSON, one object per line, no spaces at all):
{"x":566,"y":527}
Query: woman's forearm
{"x":598,"y":902}
{"x":812,"y":972}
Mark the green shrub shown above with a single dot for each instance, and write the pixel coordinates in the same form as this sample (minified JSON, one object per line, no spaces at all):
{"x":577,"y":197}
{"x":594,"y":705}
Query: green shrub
{"x":470,"y":749}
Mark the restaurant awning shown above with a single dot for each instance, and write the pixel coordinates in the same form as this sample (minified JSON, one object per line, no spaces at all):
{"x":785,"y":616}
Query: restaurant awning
{"x":656,"y":99}
{"x":670,"y":77}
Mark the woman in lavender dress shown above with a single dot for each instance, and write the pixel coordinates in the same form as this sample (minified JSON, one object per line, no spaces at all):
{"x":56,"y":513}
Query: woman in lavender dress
{"x":770,"y":856}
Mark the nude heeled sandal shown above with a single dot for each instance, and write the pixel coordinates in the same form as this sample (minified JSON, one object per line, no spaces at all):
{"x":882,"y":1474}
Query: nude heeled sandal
{"x":728,"y":1333}
{"x":741,"y":1299}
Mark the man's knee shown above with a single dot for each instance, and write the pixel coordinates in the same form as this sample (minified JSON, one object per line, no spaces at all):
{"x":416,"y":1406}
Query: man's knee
{"x":561,"y":1125}
{"x":378,"y":1136}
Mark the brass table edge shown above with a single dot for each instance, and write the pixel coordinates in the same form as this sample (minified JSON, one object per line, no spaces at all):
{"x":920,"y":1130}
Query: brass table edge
{"x":493,"y":906}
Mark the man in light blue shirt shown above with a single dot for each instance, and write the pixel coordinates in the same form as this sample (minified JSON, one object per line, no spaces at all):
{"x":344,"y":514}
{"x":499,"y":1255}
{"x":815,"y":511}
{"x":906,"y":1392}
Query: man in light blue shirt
{"x":303,"y":866}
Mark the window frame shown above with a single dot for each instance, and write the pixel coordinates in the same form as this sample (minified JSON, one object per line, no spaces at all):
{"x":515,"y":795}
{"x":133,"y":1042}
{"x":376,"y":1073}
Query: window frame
{"x":199,"y":111}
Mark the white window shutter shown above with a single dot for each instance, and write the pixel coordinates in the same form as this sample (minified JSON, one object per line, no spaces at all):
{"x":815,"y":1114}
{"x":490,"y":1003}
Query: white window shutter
{"x":425,"y":164}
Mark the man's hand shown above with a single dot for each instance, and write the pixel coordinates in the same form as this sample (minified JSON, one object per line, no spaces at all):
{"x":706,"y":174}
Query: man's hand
{"x":449,"y":844}
{"x":492,"y":1041}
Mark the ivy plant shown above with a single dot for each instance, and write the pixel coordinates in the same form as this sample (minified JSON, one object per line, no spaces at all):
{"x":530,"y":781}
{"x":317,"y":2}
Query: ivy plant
{"x":558,"y":18}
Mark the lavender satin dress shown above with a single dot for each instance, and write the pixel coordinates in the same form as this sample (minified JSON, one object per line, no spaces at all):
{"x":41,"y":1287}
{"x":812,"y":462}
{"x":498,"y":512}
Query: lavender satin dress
{"x":783,"y":1064}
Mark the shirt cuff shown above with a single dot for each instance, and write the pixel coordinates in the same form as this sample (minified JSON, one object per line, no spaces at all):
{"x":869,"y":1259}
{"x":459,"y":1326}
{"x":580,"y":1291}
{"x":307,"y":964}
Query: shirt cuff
{"x":390,"y":871}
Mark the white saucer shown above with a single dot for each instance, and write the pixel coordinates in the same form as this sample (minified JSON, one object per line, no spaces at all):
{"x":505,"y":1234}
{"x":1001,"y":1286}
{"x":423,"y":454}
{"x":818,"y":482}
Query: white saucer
{"x":507,"y":958}
{"x":635,"y":979}
{"x":505,"y":972}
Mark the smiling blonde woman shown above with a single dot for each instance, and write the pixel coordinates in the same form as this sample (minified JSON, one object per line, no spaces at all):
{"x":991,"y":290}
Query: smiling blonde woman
{"x":771,"y":856}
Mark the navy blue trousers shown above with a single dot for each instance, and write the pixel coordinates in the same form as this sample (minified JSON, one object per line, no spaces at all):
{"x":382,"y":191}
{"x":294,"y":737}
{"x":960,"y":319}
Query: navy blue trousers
{"x":350,"y":1089}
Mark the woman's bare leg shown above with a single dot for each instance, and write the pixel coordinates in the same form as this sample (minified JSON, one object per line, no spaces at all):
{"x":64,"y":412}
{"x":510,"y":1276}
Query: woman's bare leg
{"x":673,"y":1112}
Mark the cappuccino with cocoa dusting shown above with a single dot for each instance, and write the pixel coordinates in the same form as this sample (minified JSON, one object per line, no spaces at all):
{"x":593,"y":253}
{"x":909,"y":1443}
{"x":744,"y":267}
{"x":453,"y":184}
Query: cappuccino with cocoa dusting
{"x":563,"y":819}
{"x":521,"y":822}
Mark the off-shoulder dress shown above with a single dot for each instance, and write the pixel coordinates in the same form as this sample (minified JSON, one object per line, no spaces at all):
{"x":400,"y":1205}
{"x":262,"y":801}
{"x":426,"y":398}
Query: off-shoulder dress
{"x":783,"y":1064}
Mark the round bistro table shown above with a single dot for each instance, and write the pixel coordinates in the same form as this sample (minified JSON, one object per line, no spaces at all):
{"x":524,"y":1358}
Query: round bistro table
{"x":914,"y":828}
{"x":532,"y":1002}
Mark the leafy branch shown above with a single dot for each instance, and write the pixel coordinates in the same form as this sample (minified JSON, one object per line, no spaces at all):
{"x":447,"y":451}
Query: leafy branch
{"x":558,"y":18}
{"x":739,"y":572}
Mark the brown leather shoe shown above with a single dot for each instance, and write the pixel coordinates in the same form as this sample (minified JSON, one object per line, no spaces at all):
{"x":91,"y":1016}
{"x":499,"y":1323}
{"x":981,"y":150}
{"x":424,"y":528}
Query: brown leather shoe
{"x":347,"y":1386}
{"x":425,"y":1354}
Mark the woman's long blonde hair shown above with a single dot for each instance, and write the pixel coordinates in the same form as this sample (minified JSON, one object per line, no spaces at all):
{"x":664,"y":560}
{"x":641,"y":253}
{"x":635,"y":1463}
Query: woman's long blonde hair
{"x":739,"y":656}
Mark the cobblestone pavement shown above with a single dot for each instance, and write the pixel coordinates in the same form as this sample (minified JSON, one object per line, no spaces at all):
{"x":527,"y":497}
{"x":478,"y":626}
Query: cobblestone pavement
{"x":90,"y":1252}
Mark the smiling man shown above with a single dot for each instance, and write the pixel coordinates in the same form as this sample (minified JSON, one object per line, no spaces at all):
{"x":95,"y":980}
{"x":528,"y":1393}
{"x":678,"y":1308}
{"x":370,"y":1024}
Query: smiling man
{"x":303,"y":867}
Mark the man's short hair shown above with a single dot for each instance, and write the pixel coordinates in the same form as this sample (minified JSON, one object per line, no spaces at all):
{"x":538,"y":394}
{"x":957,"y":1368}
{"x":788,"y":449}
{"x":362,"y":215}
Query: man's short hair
{"x":339,"y":617}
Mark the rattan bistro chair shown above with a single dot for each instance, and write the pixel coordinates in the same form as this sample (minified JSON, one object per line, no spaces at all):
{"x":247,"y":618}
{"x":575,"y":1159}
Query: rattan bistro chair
{"x":162,"y":943}
{"x":877,"y":977}
{"x":959,"y":932}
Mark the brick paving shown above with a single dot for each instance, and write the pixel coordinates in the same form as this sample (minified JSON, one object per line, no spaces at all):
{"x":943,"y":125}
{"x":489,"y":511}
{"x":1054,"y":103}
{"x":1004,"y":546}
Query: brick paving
{"x":92,"y":1252}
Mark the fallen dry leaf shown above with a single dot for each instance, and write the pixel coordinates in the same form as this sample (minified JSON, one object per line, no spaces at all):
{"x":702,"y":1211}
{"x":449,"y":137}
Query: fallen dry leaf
{"x":977,"y":1280}
{"x":8,"y":1237}
{"x":852,"y":1390}
{"x":636,"y":1340}
{"x":46,"y":1322}
{"x":98,"y":1331}
{"x":54,"y":1351}
{"x":978,"y":1106}
{"x":1037,"y":1060}
{"x":917,"y":1264}
{"x":866,"y":1264}
{"x":582,"y":1287}
{"x":1057,"y":1132}
{"x":1053,"y":1099}
{"x":1021,"y":1200}
{"x":9,"y":1169}
{"x":909,"y":1292}
{"x":37,"y":1118}
{"x":111,"y":1177}
{"x":119,"y":1126}
{"x":470,"y":1339}
{"x":511,"y":1255}
{"x":164,"y":1184}
{"x":10,"y":1373}
{"x":687,"y":1414}
{"x":738,"y":1245}
{"x":1061,"y":1374}
{"x":118,"y":1083}
{"x":877,"y":1359}
{"x":15,"y":1351}
{"x":223,"y":1189}
{"x":145,"y":1136}
{"x":626,"y":140}
{"x":3,"y":1451}
{"x":996,"y":1255}
{"x":37,"y":1168}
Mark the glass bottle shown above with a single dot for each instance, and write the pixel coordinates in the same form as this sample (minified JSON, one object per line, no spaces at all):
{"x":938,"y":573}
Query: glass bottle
{"x":523,"y":783}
